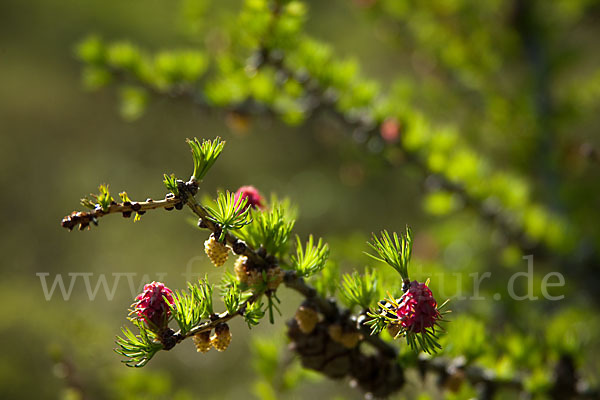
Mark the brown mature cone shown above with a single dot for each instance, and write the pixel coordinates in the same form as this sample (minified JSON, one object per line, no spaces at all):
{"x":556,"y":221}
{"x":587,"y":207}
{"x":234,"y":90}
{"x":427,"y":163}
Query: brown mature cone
{"x":202,"y":341}
{"x":307,"y":318}
{"x":335,"y":332}
{"x":347,"y":338}
{"x":350,"y":339}
{"x":216,"y":251}
{"x":274,"y":277}
{"x":376,"y":375}
{"x":318,"y":352}
{"x":221,"y":338}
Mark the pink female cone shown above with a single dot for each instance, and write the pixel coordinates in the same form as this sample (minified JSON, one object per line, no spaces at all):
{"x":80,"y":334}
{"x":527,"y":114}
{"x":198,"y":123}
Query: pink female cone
{"x":255,"y":200}
{"x":152,"y":305}
{"x":417,"y":308}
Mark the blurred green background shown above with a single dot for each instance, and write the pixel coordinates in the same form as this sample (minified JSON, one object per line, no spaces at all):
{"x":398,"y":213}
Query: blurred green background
{"x":59,"y":142}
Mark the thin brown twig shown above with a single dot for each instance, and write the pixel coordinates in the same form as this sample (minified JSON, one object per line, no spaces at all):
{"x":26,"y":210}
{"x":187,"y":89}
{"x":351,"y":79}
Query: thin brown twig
{"x":84,"y":218}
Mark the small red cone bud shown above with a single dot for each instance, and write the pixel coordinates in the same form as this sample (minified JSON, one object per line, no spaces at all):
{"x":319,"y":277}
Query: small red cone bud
{"x":390,"y":130}
{"x":255,"y":200}
{"x":216,"y":251}
{"x":202,"y":341}
{"x":221,"y":338}
{"x":417,"y":308}
{"x":274,"y":277}
{"x":307,"y":318}
{"x":152,"y":305}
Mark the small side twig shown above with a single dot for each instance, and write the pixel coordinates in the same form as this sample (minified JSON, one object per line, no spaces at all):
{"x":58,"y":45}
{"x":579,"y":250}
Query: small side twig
{"x":126,"y":208}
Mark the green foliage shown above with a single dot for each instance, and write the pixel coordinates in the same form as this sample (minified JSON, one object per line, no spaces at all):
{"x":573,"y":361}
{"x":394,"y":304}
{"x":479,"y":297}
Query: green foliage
{"x":381,"y":316}
{"x":266,"y":356}
{"x":327,"y":282}
{"x":185,"y":311}
{"x":466,"y":336}
{"x":427,"y":341}
{"x":146,"y":384}
{"x":395,"y":252}
{"x":95,"y":78}
{"x":124,"y":197}
{"x":102,"y":200}
{"x":539,"y":381}
{"x":341,"y":77}
{"x":137,"y":349}
{"x":91,"y":50}
{"x":254,"y":313}
{"x":571,"y":330}
{"x":270,"y":228}
{"x":276,"y":374}
{"x":179,"y":66}
{"x":233,"y":296}
{"x":360,"y":290}
{"x":230,"y":212}
{"x":312,"y":260}
{"x":272,"y":303}
{"x":465,"y":392}
{"x":171,"y":184}
{"x":203,"y":295}
{"x":440,"y":203}
{"x":189,"y":308}
{"x":232,"y":300}
{"x":263,"y":390}
{"x":133,"y":102}
{"x":164,"y":72}
{"x":205,"y":154}
{"x":123,"y":54}
{"x":523,"y":351}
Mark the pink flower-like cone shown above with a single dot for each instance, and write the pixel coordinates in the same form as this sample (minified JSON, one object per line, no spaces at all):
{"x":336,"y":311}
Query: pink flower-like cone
{"x":417,"y":308}
{"x":255,"y":200}
{"x":152,"y":305}
{"x":390,"y":130}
